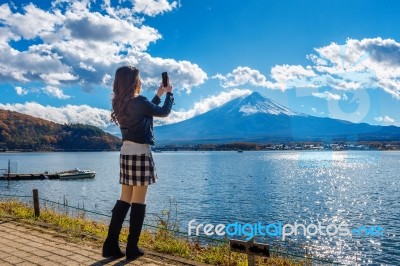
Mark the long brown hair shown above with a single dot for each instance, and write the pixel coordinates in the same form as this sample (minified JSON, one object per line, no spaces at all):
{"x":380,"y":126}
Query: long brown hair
{"x":125,"y":83}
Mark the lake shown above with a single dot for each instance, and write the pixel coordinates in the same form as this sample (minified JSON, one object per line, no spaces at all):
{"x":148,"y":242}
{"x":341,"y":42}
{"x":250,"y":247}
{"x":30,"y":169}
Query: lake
{"x":360,"y":188}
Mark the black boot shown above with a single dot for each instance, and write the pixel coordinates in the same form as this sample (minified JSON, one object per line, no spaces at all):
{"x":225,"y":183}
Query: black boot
{"x":135,"y":227}
{"x":111,"y":245}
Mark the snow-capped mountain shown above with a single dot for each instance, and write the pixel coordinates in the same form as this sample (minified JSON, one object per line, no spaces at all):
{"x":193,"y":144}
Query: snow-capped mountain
{"x":256,"y":118}
{"x":256,"y":103}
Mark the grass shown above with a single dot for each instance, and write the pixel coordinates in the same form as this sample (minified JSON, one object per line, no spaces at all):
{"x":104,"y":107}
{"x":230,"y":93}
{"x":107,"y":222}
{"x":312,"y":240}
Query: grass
{"x":163,"y":241}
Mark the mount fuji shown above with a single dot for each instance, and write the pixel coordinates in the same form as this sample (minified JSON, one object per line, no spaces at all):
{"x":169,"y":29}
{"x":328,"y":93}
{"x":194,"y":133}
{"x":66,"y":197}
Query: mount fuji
{"x":258,"y":119}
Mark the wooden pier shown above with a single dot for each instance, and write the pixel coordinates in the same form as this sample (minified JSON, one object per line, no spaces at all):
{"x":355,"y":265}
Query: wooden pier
{"x":39,"y":176}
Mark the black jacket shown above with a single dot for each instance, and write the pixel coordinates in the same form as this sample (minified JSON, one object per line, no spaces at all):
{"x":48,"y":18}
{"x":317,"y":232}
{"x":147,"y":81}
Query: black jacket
{"x":138,"y":125}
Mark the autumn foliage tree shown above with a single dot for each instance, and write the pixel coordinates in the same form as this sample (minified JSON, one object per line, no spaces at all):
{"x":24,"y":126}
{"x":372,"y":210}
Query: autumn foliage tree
{"x":24,"y":132}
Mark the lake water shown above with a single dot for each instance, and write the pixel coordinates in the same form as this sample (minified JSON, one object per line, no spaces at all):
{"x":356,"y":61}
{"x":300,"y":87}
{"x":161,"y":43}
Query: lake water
{"x":356,"y":187}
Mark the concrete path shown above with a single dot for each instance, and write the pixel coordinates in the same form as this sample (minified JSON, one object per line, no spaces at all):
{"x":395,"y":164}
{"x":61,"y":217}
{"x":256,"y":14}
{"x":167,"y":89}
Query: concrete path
{"x":22,"y":244}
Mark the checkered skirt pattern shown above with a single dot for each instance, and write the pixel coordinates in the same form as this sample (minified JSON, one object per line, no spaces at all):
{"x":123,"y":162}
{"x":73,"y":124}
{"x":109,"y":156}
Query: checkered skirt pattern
{"x":137,"y":170}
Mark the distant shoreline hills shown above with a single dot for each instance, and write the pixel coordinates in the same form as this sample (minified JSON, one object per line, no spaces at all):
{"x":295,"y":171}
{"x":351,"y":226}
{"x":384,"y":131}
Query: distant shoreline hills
{"x":291,"y":146}
{"x":20,"y":132}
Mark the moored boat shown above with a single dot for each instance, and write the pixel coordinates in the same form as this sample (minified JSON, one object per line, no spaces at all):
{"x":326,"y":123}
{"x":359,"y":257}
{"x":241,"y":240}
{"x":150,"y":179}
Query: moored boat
{"x":76,"y":174}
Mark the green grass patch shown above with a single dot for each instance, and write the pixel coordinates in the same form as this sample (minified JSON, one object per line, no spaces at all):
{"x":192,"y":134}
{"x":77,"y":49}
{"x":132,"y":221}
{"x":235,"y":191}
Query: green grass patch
{"x":158,"y":239}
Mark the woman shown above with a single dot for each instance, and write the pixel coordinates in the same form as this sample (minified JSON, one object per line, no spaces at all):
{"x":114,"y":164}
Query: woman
{"x":134,"y":114}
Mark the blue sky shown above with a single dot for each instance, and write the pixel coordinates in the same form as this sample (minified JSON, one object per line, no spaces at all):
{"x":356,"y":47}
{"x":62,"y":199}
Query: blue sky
{"x":338,"y":59}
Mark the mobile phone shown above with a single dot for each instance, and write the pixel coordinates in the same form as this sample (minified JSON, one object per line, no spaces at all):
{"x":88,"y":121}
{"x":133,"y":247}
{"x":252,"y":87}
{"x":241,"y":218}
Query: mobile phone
{"x":165,"y":79}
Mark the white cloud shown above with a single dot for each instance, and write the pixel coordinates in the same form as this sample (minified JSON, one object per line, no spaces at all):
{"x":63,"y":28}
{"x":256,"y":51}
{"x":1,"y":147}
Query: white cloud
{"x":98,"y":28}
{"x":292,"y":76}
{"x":6,"y":35}
{"x":69,"y":114}
{"x":285,"y":76}
{"x":203,"y":106}
{"x":26,"y":66}
{"x":57,"y":78}
{"x":183,"y":74}
{"x":87,"y":67}
{"x":153,"y":7}
{"x":106,"y":80}
{"x":355,"y":65}
{"x":55,"y":92}
{"x":243,"y":75}
{"x":34,"y":22}
{"x":74,"y":43}
{"x":385,"y":119}
{"x":20,"y":91}
{"x":327,"y":95}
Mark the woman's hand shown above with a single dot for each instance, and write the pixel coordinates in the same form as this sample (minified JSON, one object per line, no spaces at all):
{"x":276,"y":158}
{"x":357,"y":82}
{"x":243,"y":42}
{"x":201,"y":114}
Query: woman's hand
{"x":168,"y":88}
{"x":160,"y":91}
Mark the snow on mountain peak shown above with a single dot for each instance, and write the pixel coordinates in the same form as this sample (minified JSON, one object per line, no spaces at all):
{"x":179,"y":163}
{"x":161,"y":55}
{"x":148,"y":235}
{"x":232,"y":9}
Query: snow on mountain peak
{"x":256,"y":103}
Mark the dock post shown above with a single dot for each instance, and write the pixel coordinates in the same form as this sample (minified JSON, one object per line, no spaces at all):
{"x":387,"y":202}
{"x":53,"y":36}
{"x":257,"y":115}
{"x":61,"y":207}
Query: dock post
{"x":36,"y":202}
{"x":250,"y":248}
{"x":251,"y":260}
{"x":8,"y":172}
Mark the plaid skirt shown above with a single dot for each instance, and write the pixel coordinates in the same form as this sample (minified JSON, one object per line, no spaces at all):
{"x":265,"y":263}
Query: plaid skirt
{"x":137,"y":170}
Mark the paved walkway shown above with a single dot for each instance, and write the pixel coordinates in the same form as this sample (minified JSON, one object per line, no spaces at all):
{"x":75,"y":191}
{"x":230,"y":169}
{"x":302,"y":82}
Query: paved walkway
{"x":22,"y":244}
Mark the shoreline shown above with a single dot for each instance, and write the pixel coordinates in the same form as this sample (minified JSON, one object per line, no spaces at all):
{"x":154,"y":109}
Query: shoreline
{"x":247,"y":146}
{"x":211,"y":150}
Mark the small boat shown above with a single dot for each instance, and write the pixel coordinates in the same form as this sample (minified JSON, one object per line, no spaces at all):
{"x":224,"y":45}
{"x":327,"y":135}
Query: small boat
{"x":239,"y":151}
{"x":76,"y":174}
